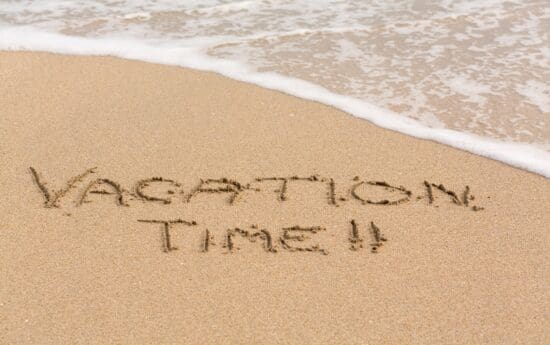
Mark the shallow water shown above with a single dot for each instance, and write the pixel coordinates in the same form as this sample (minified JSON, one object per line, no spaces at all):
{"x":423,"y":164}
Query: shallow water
{"x":479,"y":67}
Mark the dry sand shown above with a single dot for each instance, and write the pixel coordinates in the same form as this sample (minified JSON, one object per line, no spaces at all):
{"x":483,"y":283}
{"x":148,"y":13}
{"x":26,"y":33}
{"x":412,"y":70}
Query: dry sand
{"x":86,"y":265}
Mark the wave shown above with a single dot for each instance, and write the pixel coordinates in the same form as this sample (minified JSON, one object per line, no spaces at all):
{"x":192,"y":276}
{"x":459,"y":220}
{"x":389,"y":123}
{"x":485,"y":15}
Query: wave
{"x":133,"y":35}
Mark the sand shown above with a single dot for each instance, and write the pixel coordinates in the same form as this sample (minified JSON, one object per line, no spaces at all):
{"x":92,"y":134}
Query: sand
{"x":147,"y":204}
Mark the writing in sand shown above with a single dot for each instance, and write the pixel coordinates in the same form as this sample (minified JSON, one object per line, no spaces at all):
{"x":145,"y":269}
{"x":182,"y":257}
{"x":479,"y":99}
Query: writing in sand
{"x":86,"y":188}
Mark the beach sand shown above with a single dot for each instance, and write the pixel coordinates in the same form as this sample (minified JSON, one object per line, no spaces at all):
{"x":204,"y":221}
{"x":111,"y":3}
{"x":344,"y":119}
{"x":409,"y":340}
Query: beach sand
{"x":322,"y":228}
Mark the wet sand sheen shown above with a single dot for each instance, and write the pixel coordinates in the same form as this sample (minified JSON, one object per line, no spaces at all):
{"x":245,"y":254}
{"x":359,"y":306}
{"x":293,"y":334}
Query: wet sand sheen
{"x":166,"y":205}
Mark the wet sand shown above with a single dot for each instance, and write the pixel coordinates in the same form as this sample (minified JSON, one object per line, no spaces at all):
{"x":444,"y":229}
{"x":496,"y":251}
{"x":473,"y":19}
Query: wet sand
{"x":151,"y":204}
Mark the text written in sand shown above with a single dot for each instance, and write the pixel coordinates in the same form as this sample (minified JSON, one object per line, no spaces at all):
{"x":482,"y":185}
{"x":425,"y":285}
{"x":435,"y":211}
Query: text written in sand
{"x":85,"y":187}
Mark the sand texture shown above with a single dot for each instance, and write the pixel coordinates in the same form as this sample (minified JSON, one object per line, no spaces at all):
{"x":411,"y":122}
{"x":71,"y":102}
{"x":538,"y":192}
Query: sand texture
{"x":146,"y":204}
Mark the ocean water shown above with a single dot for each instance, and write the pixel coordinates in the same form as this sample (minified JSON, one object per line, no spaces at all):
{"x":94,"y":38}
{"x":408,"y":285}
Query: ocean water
{"x":470,"y":74}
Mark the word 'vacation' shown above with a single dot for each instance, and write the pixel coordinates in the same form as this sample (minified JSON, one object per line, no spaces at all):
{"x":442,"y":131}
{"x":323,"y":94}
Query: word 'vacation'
{"x":168,"y":191}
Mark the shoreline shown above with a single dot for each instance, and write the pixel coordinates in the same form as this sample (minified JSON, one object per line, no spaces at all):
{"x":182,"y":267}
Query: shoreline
{"x":520,"y":155}
{"x":146,"y":203}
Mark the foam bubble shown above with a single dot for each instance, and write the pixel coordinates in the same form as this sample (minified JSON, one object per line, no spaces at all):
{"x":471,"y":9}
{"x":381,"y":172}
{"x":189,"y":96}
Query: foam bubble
{"x":537,"y":93}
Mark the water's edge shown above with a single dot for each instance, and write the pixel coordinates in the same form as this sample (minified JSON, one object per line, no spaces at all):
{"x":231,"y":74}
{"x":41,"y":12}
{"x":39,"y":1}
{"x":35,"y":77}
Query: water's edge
{"x":522,"y":156}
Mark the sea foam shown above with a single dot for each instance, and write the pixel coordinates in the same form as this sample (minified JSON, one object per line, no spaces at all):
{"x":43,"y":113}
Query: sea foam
{"x":281,"y":45}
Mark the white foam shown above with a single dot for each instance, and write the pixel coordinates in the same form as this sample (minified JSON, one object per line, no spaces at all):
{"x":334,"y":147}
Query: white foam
{"x":537,"y":93}
{"x":27,"y":38}
{"x":233,"y":6}
{"x":138,"y":15}
{"x":470,"y":88}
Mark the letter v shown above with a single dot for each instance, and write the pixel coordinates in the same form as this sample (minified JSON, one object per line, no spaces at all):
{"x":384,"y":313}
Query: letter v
{"x":52,"y":198}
